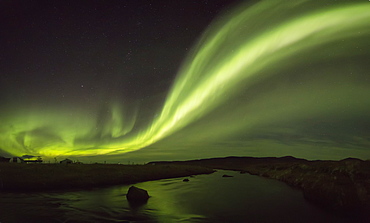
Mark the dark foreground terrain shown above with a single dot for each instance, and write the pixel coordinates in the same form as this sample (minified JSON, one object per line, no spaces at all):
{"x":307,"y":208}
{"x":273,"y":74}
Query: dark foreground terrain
{"x":342,"y":186}
{"x":41,"y":177}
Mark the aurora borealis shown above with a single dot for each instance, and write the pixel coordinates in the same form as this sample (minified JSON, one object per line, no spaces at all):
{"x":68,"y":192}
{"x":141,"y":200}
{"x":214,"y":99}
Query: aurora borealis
{"x":264,"y":78}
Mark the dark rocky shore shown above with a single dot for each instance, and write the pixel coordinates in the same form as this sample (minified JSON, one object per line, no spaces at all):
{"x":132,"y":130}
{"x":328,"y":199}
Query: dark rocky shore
{"x":341,"y":186}
{"x":41,"y":177}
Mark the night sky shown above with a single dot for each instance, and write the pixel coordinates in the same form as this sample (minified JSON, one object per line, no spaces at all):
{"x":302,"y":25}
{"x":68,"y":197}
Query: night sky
{"x":122,"y":81}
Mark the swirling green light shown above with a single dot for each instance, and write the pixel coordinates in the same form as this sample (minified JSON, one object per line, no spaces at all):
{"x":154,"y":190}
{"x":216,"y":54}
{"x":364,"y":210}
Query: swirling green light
{"x":232,"y":55}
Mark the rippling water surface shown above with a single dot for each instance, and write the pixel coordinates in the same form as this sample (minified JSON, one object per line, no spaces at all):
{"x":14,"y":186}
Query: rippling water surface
{"x":205,"y":198}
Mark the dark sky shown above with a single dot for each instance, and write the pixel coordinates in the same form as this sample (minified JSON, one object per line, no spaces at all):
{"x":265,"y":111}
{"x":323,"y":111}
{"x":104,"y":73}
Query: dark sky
{"x":55,"y":47}
{"x":97,"y":79}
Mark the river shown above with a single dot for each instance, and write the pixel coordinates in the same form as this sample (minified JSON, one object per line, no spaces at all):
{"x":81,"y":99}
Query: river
{"x":205,"y":198}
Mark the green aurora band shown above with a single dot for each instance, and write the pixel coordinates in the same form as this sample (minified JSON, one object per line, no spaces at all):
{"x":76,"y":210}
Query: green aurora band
{"x":240,"y":50}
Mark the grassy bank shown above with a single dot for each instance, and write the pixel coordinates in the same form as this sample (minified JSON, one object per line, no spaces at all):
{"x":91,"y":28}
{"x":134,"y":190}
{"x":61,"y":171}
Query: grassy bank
{"x":40,"y":177}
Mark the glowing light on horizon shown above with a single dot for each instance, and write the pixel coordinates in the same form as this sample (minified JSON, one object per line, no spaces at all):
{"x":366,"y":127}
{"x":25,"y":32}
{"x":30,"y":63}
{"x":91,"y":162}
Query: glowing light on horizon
{"x":230,"y":56}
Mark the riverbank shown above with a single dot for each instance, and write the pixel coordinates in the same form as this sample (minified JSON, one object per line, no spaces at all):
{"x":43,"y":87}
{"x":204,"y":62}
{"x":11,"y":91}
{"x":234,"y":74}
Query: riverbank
{"x":42,"y":177}
{"x":341,"y":186}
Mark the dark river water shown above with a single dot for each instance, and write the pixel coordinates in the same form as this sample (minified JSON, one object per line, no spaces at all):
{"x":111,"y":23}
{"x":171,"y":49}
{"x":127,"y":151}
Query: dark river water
{"x":205,"y":198}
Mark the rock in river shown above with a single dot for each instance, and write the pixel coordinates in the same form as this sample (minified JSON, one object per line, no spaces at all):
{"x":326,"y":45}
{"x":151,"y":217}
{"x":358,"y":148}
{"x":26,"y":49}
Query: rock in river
{"x":137,"y":195}
{"x":225,"y":175}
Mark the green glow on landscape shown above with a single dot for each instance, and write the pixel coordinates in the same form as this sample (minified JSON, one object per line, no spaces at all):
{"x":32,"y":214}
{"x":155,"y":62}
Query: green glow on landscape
{"x":231,"y":56}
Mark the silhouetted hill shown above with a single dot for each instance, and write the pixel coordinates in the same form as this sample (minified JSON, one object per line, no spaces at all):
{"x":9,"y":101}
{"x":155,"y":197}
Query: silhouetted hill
{"x":235,"y":162}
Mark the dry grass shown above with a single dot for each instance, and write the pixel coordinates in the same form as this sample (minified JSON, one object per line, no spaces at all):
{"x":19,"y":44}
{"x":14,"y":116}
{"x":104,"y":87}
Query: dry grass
{"x":31,"y":177}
